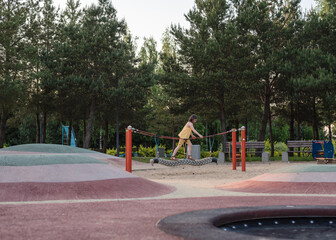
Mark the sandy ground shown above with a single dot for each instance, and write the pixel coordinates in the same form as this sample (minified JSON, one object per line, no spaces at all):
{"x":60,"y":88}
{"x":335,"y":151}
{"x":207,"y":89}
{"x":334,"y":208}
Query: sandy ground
{"x":206,"y":176}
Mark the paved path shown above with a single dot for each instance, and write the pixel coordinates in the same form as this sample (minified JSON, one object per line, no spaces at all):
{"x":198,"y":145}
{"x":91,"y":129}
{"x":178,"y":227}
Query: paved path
{"x":46,"y":196}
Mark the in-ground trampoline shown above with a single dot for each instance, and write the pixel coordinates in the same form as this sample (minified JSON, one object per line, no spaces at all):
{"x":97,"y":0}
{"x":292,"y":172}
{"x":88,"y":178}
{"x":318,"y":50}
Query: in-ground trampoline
{"x":274,"y":222}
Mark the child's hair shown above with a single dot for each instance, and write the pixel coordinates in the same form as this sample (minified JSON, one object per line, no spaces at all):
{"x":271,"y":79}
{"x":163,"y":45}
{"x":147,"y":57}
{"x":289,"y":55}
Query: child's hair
{"x":192,"y":117}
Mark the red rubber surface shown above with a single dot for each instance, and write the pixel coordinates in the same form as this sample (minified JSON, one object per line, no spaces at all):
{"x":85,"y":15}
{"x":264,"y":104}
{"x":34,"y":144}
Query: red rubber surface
{"x":127,"y":220}
{"x":111,"y":189}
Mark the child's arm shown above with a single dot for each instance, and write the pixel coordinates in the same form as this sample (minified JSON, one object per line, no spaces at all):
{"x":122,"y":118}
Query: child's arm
{"x":194,"y":130}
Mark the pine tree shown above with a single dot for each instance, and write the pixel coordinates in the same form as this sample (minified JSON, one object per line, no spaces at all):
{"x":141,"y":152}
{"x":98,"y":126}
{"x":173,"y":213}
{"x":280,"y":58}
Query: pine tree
{"x":215,"y":56}
{"x":13,"y":15}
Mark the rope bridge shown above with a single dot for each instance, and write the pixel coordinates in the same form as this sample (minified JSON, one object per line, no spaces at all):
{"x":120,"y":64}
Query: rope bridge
{"x":201,"y":162}
{"x":180,"y":161}
{"x":183,"y":161}
{"x":176,"y":138}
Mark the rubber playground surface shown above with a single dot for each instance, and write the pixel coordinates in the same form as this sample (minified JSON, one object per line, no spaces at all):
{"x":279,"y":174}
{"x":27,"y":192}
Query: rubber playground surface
{"x":60,"y":192}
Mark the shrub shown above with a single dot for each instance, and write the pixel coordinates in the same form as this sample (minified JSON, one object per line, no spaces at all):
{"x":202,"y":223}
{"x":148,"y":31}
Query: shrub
{"x":267,"y":146}
{"x":280,"y":147}
{"x":179,"y":154}
{"x":205,"y":154}
{"x":113,"y":152}
{"x":147,"y":151}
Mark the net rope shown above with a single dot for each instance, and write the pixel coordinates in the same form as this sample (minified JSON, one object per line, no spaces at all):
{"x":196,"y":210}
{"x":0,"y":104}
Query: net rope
{"x":176,"y":138}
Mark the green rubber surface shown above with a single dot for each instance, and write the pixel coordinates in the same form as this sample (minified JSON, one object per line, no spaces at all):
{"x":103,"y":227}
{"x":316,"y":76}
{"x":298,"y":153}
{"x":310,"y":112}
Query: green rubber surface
{"x":34,"y":160}
{"x":47,"y":148}
{"x":307,"y":168}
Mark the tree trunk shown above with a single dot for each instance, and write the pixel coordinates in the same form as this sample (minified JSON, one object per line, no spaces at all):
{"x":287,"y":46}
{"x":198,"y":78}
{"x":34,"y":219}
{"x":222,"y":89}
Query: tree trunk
{"x":44,"y":128}
{"x":237,"y":127}
{"x":271,"y":132}
{"x":117,"y":125}
{"x":38,"y":128}
{"x":291,"y":127}
{"x":173,"y":134}
{"x":317,"y":132}
{"x":330,"y":132}
{"x":69,"y":133}
{"x":223,"y":123}
{"x":236,"y":124}
{"x":315,"y":125}
{"x":106,"y":136}
{"x":90,"y":123}
{"x":247,"y":130}
{"x":299,"y":125}
{"x":264,"y":121}
{"x":84,"y":131}
{"x":262,"y":132}
{"x":206,"y":134}
{"x":4,"y":117}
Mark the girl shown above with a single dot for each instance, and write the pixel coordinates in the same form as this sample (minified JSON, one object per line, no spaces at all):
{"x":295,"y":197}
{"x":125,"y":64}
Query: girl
{"x":184,"y":137}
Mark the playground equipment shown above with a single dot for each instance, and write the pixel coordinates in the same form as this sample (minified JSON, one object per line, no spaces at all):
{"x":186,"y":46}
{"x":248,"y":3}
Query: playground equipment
{"x":128,"y":151}
{"x":65,"y":134}
{"x":129,"y":131}
{"x":323,"y":152}
{"x":239,"y":155}
{"x":183,"y":161}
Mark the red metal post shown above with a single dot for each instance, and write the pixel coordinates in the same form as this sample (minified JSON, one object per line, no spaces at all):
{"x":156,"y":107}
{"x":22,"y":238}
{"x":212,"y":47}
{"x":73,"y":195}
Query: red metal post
{"x":129,"y":149}
{"x":243,"y":148}
{"x":234,"y":150}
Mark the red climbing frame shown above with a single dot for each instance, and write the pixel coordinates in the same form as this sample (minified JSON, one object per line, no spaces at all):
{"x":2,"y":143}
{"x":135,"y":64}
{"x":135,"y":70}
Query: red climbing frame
{"x":129,"y":149}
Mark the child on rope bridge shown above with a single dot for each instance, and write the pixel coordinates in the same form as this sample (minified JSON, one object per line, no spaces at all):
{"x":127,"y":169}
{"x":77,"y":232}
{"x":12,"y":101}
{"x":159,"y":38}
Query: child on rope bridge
{"x":184,"y":137}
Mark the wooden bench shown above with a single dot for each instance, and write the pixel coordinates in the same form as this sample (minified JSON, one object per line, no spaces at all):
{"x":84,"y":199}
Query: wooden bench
{"x":254,"y":148}
{"x":299,"y":146}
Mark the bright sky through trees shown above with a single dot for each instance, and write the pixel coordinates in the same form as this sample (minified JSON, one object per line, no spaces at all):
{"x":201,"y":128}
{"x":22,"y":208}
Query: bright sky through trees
{"x":148,"y":18}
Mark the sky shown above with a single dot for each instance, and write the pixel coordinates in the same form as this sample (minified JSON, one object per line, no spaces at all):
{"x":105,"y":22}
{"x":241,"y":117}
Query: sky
{"x":150,"y":18}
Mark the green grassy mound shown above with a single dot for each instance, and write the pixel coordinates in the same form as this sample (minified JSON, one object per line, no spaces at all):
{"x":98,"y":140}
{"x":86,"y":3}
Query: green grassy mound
{"x":46,"y":148}
{"x":35,"y":160}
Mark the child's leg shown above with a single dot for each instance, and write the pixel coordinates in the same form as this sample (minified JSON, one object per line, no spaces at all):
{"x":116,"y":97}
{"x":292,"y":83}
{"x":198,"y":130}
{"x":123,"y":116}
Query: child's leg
{"x":189,"y":148}
{"x":189,"y":151}
{"x":175,"y":150}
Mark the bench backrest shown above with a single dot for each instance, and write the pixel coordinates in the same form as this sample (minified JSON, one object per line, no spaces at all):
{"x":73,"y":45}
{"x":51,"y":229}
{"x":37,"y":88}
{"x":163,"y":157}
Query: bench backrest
{"x":304,"y":144}
{"x":255,"y":144}
{"x":248,"y":145}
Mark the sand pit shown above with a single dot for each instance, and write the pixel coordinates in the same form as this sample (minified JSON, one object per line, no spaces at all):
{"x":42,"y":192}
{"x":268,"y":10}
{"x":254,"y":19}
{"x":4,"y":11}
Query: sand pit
{"x":208,"y":176}
{"x":272,"y":178}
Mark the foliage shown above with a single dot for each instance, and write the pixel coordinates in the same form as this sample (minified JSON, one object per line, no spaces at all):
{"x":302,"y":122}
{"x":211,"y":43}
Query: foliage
{"x":146,"y":151}
{"x":113,"y":152}
{"x":261,"y":64}
{"x":279,"y":147}
{"x":13,"y":16}
{"x":205,"y":154}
